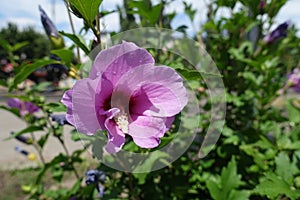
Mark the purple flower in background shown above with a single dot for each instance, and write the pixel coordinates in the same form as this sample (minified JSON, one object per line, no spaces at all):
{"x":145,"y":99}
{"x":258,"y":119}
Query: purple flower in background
{"x":294,"y":80}
{"x":23,"y":107}
{"x":48,"y":24}
{"x":55,"y":38}
{"x":126,"y":94}
{"x":278,"y":33}
{"x":94,"y":177}
{"x":262,"y":5}
{"x":60,"y":119}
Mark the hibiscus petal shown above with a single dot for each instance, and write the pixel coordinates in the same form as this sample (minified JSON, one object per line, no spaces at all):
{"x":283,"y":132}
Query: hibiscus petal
{"x":102,"y":100}
{"x":150,"y":142}
{"x":113,"y":62}
{"x":155,"y":91}
{"x":169,"y":121}
{"x":67,"y":101}
{"x":116,"y":138}
{"x":146,"y":131}
{"x":84,"y":112}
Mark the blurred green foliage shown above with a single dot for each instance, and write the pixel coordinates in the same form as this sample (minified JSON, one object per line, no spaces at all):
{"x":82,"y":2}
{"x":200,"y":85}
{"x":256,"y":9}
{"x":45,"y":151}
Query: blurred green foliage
{"x":38,"y":45}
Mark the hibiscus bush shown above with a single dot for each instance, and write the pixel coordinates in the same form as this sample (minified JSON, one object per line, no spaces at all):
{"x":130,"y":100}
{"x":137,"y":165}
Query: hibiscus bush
{"x":145,"y":94}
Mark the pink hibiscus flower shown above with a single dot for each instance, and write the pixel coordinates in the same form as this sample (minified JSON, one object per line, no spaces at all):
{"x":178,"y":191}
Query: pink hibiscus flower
{"x":126,"y":94}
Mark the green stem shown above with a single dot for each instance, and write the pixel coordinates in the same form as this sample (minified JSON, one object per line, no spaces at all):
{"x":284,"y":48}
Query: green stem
{"x":98,"y":32}
{"x":68,"y":155}
{"x":61,"y":141}
{"x":131,"y":189}
{"x":37,"y":148}
{"x":73,"y":29}
{"x":160,"y":25}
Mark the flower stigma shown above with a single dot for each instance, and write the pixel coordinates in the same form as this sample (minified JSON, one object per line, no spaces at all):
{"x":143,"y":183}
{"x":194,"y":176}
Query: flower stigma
{"x":122,"y":122}
{"x":121,"y":100}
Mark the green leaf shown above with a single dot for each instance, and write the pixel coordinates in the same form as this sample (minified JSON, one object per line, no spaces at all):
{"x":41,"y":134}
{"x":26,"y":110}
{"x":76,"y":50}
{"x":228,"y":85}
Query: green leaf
{"x":214,"y":189}
{"x":19,"y":46}
{"x":149,"y":13}
{"x":189,"y":74}
{"x":42,"y":141}
{"x":239,"y":194}
{"x":224,"y":187}
{"x":57,"y":160}
{"x":251,"y":26}
{"x":189,"y":10}
{"x":272,"y":63}
{"x":284,"y":167}
{"x":293,"y":146}
{"x":14,"y":111}
{"x":65,"y":55}
{"x":254,"y":152}
{"x":165,"y":141}
{"x":88,"y":9}
{"x":41,"y":87}
{"x":147,"y":165}
{"x":155,"y":13}
{"x":26,"y":70}
{"x":239,"y":53}
{"x":293,"y":112}
{"x":106,"y":12}
{"x":3,"y":83}
{"x":182,"y":28}
{"x":77,"y":41}
{"x":272,"y":186}
{"x":57,"y":172}
{"x":257,"y":80}
{"x":229,"y":177}
{"x":76,"y":187}
{"x":236,"y":100}
{"x":29,"y":129}
{"x":5,"y":45}
{"x":76,"y":136}
{"x":55,"y":107}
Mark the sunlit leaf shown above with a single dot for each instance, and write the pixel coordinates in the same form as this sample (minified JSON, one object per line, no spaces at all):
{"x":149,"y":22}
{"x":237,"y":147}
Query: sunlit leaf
{"x":272,"y":186}
{"x":77,"y":41}
{"x":293,"y":112}
{"x":284,"y":167}
{"x":225,"y":187}
{"x":64,"y":54}
{"x":149,"y":13}
{"x":88,"y":9}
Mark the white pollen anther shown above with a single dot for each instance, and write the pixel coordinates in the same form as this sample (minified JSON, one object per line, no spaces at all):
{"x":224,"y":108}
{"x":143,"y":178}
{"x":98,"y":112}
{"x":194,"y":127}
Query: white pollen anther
{"x":122,"y":122}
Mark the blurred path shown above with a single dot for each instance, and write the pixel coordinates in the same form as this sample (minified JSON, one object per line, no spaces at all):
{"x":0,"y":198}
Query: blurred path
{"x":9,"y":158}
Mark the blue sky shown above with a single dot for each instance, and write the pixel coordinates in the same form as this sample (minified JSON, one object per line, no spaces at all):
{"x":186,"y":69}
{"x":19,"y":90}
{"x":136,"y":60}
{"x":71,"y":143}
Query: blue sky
{"x":25,"y":13}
